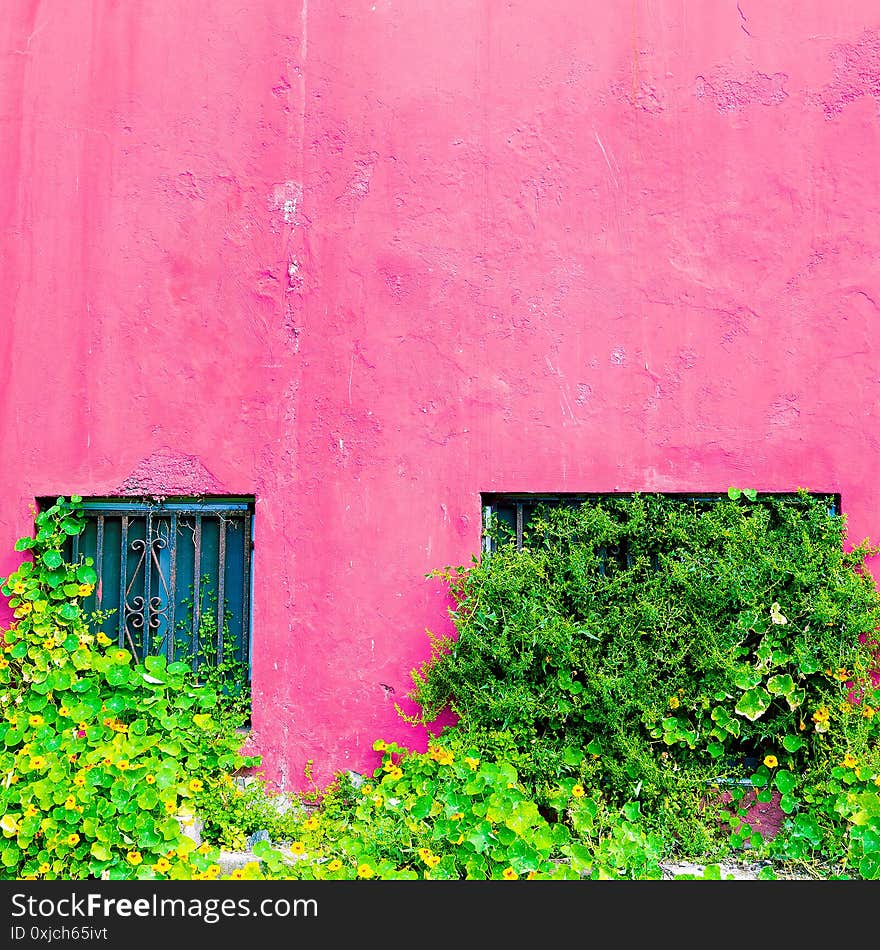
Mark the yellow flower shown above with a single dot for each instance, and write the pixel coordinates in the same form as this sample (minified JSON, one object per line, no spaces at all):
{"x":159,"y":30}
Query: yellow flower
{"x":31,"y":811}
{"x":578,"y":791}
{"x":23,"y":610}
{"x":38,"y":762}
{"x":237,"y":874}
{"x":213,"y":870}
{"x":841,"y":675}
{"x":63,"y":711}
{"x":120,"y":656}
{"x":509,"y":874}
{"x":79,"y":781}
{"x":457,"y":816}
{"x":868,"y":712}
{"x":134,"y":858}
{"x":396,"y":773}
{"x":802,"y":725}
{"x":334,"y":865}
{"x":770,"y":761}
{"x":433,"y":860}
{"x":122,"y":765}
{"x":70,"y":802}
{"x":877,"y":780}
{"x":103,"y":639}
{"x":311,"y":823}
{"x":388,"y":765}
{"x":297,"y":847}
{"x":36,"y":721}
{"x":162,"y":865}
{"x":425,"y":853}
{"x":85,"y":590}
{"x":849,"y":761}
{"x":18,"y":588}
{"x":149,"y":779}
{"x":364,"y":870}
{"x":45,"y":868}
{"x":380,"y":745}
{"x":472,"y":762}
{"x":4,"y":663}
{"x":821,"y":715}
{"x":170,"y":807}
{"x":674,"y":702}
{"x":73,"y":839}
{"x":531,"y":875}
{"x":196,"y":785}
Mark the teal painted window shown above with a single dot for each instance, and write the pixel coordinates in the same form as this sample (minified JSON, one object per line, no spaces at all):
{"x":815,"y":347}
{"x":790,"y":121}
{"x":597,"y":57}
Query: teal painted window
{"x":174,"y":576}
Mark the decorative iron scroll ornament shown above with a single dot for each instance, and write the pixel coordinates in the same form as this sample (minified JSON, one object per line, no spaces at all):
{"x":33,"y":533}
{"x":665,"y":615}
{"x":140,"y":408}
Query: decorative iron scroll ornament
{"x":158,"y":604}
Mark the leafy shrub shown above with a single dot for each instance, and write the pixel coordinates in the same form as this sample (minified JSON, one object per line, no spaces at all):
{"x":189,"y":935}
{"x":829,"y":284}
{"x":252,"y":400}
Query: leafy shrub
{"x":674,"y":642}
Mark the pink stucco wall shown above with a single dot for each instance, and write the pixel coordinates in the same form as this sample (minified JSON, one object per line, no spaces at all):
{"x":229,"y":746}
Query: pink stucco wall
{"x":364,"y":260}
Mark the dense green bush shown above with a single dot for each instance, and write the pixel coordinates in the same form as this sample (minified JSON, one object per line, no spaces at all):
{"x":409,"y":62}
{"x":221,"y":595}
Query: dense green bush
{"x":650,"y":645}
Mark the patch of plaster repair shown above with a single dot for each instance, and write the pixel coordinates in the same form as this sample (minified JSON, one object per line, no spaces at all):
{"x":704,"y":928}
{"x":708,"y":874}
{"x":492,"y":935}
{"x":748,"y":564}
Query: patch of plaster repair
{"x":358,"y":186}
{"x":285,"y":203}
{"x":645,"y":96}
{"x":856,"y":74}
{"x":170,"y":473}
{"x":731,"y":95}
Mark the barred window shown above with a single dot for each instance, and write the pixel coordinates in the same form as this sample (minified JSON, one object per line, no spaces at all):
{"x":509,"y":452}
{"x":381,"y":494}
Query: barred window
{"x":507,"y":516}
{"x":174,"y":578}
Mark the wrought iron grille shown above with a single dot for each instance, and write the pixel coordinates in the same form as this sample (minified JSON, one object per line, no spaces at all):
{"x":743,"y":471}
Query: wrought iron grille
{"x":174,"y":576}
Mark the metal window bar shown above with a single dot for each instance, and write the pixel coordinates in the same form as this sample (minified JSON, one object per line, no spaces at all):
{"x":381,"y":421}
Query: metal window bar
{"x":162,"y":546}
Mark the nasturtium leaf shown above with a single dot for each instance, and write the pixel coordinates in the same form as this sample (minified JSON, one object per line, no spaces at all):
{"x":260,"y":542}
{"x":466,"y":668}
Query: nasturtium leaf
{"x":86,"y":574}
{"x":101,"y":851}
{"x":753,"y":704}
{"x":155,"y":664}
{"x":785,"y":781}
{"x":52,"y":559}
{"x":747,"y":679}
{"x":117,"y":675}
{"x":780,"y":685}
{"x":788,"y":803}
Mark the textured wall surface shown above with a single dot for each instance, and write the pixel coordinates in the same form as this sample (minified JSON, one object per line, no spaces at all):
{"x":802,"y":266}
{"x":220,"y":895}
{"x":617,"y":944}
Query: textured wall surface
{"x":367,"y":259}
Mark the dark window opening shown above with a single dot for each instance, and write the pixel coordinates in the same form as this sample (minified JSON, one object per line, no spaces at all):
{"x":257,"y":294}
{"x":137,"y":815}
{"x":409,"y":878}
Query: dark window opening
{"x":507,"y":516}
